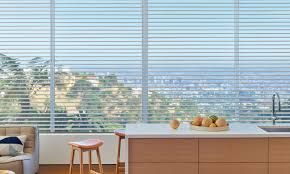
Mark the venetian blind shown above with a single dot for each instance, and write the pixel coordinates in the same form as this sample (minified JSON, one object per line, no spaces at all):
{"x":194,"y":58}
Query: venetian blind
{"x":93,"y":66}
{"x":192,"y":59}
{"x":25,"y":62}
{"x":264,"y":47}
{"x":98,"y":64}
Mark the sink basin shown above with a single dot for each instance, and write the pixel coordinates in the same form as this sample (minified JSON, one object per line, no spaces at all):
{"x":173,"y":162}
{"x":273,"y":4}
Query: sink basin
{"x":275,"y":128}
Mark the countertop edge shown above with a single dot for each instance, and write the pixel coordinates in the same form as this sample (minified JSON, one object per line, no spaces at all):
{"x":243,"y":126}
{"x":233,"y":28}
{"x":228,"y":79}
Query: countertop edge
{"x":211,"y":136}
{"x":235,"y":131}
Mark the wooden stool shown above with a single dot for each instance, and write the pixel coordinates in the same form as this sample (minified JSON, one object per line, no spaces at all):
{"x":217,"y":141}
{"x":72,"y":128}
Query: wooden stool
{"x":86,"y":146}
{"x":120,"y":166}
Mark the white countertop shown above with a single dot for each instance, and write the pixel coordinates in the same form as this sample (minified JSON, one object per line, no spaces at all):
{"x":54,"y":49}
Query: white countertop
{"x":236,"y":130}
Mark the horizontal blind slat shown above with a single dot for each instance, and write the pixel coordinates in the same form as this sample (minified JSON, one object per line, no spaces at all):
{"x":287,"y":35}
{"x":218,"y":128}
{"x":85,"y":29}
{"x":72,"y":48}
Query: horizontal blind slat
{"x":205,"y":57}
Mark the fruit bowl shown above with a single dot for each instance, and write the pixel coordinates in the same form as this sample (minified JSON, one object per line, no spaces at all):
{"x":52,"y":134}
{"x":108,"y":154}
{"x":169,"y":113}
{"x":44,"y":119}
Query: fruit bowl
{"x":209,"y":129}
{"x":210,"y":124}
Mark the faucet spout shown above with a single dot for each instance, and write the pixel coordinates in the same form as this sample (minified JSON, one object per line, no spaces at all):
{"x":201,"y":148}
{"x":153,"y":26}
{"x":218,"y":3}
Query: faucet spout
{"x":274,"y":112}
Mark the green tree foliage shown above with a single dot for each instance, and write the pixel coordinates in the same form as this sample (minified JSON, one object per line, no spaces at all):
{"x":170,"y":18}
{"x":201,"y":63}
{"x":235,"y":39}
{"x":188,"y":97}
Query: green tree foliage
{"x":106,"y":104}
{"x":99,"y":103}
{"x":17,"y":85}
{"x":14,"y":83}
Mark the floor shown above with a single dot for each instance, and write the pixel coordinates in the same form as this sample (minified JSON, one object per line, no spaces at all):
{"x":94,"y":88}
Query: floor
{"x":64,"y":169}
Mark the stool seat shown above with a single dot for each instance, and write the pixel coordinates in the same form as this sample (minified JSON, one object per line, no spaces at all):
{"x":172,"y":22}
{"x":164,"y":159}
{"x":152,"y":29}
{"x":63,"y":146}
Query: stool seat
{"x":87,"y":144}
{"x":120,"y":133}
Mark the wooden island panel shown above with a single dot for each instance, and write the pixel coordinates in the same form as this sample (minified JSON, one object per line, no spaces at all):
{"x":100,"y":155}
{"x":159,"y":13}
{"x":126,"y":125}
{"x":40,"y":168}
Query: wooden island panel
{"x":209,"y":155}
{"x":163,"y":150}
{"x":163,"y":168}
{"x":279,"y":150}
{"x":248,"y":150}
{"x":233,"y":168}
{"x":279,"y":168}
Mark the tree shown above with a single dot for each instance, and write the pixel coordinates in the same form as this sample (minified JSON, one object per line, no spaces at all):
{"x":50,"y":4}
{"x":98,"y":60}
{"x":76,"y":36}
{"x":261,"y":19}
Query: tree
{"x":15,"y":82}
{"x":89,"y":105}
{"x":20,"y":81}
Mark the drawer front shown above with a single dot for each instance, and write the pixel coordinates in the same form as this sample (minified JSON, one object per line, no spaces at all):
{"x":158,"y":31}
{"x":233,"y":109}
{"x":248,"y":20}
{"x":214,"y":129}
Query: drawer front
{"x":163,"y":150}
{"x":163,"y":168}
{"x":279,"y":168}
{"x":279,"y":150}
{"x":233,"y":168}
{"x":233,"y":150}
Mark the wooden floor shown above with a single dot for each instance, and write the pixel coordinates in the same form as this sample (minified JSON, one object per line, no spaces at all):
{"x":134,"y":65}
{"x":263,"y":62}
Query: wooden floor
{"x":63,"y":169}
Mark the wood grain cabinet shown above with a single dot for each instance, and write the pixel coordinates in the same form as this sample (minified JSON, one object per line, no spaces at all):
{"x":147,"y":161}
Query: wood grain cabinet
{"x":279,"y":150}
{"x":279,"y":168}
{"x":163,"y":156}
{"x":233,"y":168}
{"x":163,"y":150}
{"x":248,"y":150}
{"x":279,"y":155}
{"x":163,"y":168}
{"x":209,"y":155}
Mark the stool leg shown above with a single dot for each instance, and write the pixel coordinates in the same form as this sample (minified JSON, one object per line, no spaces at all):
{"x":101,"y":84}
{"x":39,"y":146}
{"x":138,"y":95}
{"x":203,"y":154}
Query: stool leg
{"x":100,"y":161}
{"x":72,"y":156}
{"x":118,"y":156}
{"x":81,"y":162}
{"x":90,"y":161}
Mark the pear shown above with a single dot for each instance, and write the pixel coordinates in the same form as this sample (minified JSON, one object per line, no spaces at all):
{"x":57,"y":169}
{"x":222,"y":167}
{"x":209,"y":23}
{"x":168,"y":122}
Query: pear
{"x":206,"y":122}
{"x":221,"y":122}
{"x":174,"y":124}
{"x":197,"y":121}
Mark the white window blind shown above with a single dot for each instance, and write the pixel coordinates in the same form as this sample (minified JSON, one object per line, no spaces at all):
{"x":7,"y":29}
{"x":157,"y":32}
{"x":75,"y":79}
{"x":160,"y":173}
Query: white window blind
{"x":24,"y":62}
{"x":93,"y":66}
{"x":264,"y":62}
{"x":191,"y":58}
{"x":98,"y":64}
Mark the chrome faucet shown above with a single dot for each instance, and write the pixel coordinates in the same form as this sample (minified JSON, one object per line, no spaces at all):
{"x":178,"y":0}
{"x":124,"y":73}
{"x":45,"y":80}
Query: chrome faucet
{"x":274,"y":112}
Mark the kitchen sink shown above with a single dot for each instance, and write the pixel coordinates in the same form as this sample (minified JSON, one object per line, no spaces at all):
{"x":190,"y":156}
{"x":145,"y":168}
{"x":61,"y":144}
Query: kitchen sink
{"x":275,"y":128}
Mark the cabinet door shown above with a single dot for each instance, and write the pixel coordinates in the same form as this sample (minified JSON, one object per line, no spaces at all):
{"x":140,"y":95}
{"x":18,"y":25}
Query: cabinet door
{"x":279,"y":150}
{"x":233,"y":168}
{"x":163,"y":150}
{"x":233,"y":150}
{"x":279,"y":168}
{"x":163,"y":168}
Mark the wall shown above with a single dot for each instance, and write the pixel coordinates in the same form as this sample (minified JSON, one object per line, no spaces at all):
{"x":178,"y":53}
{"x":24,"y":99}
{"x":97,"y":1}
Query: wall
{"x":54,"y":148}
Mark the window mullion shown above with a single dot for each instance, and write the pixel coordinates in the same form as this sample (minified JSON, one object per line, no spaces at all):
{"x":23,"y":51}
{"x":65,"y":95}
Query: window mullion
{"x":52,"y":65}
{"x":145,"y":92}
{"x":237,"y":55}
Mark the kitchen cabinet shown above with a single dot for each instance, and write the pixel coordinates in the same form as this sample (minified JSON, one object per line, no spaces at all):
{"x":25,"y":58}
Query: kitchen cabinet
{"x":279,"y":155}
{"x":163,"y":150}
{"x":198,"y":156}
{"x":244,"y":149}
{"x":279,"y":168}
{"x":163,"y":156}
{"x":233,"y":150}
{"x":163,"y":168}
{"x":233,"y":168}
{"x":279,"y":150}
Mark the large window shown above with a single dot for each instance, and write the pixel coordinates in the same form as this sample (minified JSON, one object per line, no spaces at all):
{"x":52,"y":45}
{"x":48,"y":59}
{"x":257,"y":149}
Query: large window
{"x":95,"y":65}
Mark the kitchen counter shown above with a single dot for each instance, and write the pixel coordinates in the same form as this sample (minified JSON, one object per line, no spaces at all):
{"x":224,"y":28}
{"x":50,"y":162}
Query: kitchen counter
{"x":236,"y":130}
{"x":243,"y":149}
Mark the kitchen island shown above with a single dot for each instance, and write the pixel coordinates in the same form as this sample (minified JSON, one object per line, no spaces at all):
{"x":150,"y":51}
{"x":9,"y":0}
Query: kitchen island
{"x":243,"y":149}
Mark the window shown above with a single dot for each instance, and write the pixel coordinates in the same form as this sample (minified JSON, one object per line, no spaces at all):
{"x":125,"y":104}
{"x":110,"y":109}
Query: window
{"x":98,"y":61}
{"x":93,"y":66}
{"x":25,"y":62}
{"x":191,"y":58}
{"x":263,"y":57}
